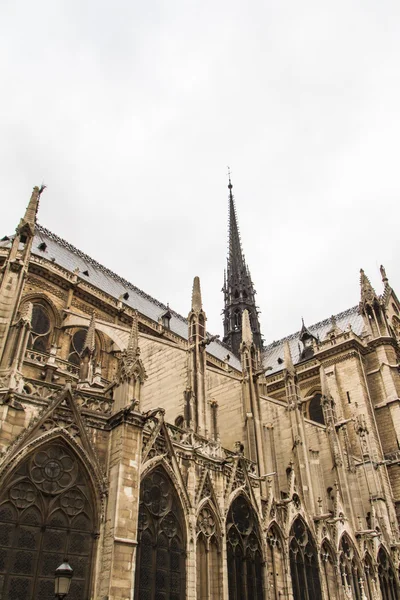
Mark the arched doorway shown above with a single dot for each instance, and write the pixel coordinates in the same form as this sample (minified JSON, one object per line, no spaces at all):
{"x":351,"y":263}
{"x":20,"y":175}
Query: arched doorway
{"x":304,"y":563}
{"x":245,"y":577}
{"x":47,"y":513}
{"x":160,"y":563}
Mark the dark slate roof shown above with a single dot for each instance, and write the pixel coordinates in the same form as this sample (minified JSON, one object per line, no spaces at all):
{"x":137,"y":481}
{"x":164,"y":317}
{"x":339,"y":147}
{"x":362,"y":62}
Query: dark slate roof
{"x":67,"y":256}
{"x":274,"y":351}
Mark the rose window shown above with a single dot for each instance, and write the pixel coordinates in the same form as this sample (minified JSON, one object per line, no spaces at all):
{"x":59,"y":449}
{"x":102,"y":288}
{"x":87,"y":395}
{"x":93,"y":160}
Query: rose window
{"x":53,"y":470}
{"x":156,"y":494}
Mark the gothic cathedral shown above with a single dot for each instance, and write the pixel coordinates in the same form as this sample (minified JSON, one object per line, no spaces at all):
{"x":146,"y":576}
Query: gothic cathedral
{"x":165,"y":464}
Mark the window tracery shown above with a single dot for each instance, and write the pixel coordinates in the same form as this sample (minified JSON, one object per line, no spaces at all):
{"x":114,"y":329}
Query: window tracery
{"x":328,"y":565}
{"x":303,"y":563}
{"x":207,"y":556}
{"x":77,"y":344}
{"x":350,"y":571}
{"x":41,"y":327}
{"x":275,"y":563}
{"x":160,"y":564}
{"x":387,"y":577}
{"x":245,"y":564}
{"x":46,"y":514}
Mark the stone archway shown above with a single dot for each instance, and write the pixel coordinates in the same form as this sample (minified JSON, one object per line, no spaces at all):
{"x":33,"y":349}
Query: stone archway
{"x":47,"y":514}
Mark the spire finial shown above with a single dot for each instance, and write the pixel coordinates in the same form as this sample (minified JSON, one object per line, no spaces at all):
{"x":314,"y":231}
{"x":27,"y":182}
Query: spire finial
{"x":385,"y":279}
{"x":247,"y":334}
{"x":196,"y":295}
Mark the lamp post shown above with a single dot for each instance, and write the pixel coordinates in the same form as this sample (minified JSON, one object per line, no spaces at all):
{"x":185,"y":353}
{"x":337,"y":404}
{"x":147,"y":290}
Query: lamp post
{"x":62,"y":581}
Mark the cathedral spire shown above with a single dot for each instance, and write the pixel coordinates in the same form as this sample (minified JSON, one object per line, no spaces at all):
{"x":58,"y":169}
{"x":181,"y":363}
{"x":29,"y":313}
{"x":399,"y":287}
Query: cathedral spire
{"x":236,"y":257}
{"x":239,"y":292}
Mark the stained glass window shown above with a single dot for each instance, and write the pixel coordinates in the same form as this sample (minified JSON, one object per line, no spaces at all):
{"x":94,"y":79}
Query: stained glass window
{"x":160,"y":563}
{"x":207,"y":556}
{"x":387,"y":578}
{"x":46,"y":515}
{"x":350,"y":569}
{"x":303,"y":563}
{"x":40,"y":328}
{"x":245,"y":563}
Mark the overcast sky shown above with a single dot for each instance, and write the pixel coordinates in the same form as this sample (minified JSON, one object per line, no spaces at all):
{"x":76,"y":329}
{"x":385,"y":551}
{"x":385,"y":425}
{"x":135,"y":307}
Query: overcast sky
{"x":131,"y":111}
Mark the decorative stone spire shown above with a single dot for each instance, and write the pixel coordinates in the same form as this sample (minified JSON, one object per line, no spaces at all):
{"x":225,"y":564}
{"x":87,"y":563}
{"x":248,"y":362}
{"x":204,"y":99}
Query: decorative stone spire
{"x":29,"y":219}
{"x":239,"y":292}
{"x":196,"y":296}
{"x":368,"y":295}
{"x":324,"y":383}
{"x":131,"y":373}
{"x":247,"y":335}
{"x":385,"y":279}
{"x":90,"y":341}
{"x":133,"y":342}
{"x":287,"y":356}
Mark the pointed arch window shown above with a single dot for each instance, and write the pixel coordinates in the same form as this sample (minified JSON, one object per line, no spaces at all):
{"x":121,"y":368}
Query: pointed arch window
{"x":387,"y":577}
{"x":370,"y":578}
{"x":41,"y":327}
{"x":275,"y":563}
{"x":76,"y":345}
{"x":315,"y":411}
{"x":236,"y":320}
{"x":350,"y":570}
{"x":46,"y":514}
{"x":304,"y":563}
{"x":245,"y":563}
{"x":329,"y":569}
{"x":160,"y":563}
{"x":208,"y":557}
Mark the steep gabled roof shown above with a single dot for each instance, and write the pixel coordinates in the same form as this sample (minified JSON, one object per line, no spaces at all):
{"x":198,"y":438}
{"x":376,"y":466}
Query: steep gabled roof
{"x":273,"y":355}
{"x":65,"y":255}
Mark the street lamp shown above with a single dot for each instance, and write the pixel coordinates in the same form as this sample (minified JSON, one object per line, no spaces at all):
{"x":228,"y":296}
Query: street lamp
{"x":62,"y":581}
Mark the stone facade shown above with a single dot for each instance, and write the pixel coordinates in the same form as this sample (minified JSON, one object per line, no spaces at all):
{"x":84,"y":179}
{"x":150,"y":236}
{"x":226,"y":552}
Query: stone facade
{"x":161,"y":465}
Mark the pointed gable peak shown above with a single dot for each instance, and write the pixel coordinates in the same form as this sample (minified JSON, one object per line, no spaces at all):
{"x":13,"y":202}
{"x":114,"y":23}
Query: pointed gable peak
{"x":368,"y":295}
{"x":196,"y":295}
{"x":247,"y":335}
{"x":305,"y":333}
{"x":90,"y":341}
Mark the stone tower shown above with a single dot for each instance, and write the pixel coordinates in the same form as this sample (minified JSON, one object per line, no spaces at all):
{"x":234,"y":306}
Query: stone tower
{"x":239,"y":292}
